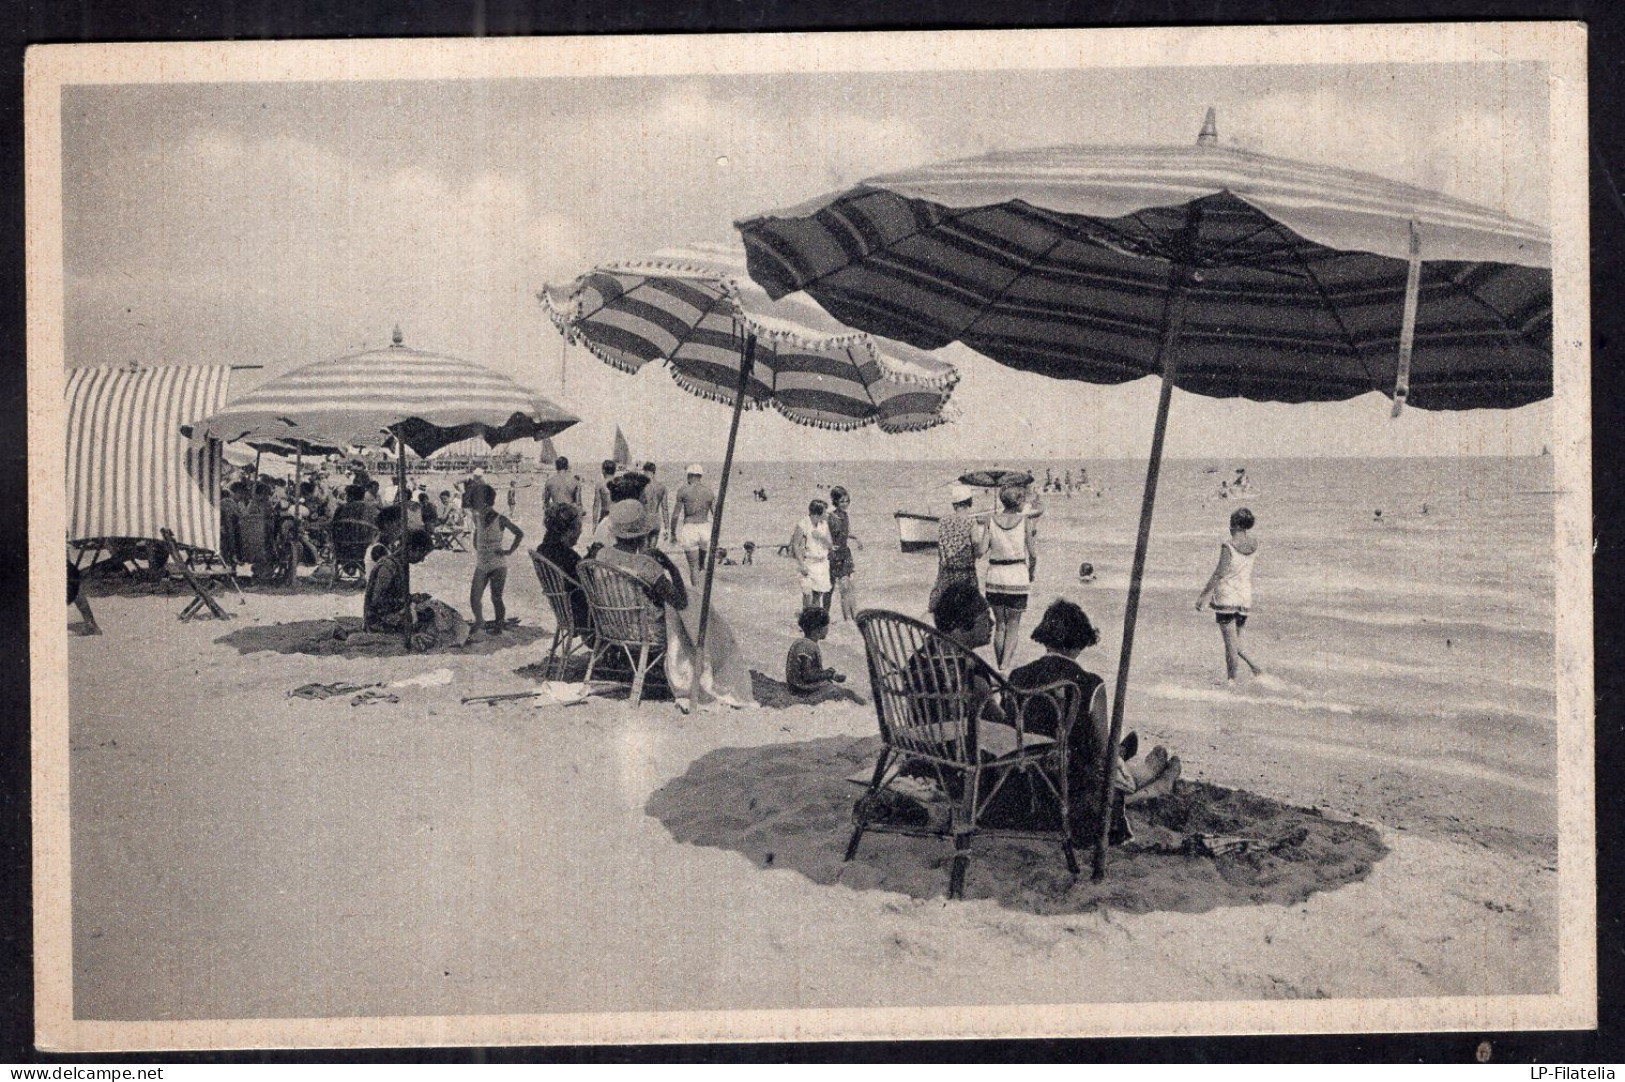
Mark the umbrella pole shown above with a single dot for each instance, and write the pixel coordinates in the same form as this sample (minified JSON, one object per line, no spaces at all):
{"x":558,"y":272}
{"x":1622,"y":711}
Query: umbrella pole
{"x":406,"y":564}
{"x":746,"y":363}
{"x":1168,"y":356}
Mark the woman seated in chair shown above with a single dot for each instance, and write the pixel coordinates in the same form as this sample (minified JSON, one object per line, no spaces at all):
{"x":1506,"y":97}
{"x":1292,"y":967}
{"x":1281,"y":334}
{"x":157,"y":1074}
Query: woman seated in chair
{"x":1065,"y":632}
{"x":631,"y":529}
{"x":721,"y":677}
{"x":562,"y":524}
{"x":387,"y":607}
{"x":962,"y":614}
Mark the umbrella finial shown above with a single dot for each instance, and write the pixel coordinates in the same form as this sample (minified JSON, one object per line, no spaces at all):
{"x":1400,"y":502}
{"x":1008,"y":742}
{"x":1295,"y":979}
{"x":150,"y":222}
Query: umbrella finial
{"x":395,"y":339}
{"x":1210,"y":130}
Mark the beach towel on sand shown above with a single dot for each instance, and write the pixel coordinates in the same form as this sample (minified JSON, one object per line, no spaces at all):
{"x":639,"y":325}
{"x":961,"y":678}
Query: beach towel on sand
{"x":722,"y":676}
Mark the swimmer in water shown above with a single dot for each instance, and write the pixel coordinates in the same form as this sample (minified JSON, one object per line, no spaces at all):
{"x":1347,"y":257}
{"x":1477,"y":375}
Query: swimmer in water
{"x":1086,"y":573}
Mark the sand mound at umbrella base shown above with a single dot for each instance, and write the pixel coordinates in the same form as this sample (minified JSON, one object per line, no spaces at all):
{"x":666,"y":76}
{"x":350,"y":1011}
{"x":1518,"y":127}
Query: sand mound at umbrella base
{"x":789,"y":806}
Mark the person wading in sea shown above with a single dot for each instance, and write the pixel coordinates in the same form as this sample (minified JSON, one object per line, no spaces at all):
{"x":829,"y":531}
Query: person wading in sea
{"x":1231,"y":590}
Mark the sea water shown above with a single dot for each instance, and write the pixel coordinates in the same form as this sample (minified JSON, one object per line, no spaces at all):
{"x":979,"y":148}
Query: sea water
{"x":1422,"y":633}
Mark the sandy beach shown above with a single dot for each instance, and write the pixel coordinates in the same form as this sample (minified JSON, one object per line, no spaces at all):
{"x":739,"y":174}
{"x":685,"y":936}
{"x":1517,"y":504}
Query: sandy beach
{"x":241,"y":854}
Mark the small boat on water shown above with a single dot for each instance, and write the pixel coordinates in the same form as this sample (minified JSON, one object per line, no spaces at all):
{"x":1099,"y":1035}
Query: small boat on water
{"x":916,"y":533}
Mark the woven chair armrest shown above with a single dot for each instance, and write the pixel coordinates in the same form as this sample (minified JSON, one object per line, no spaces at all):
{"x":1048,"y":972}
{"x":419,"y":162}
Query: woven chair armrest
{"x":1064,"y":697}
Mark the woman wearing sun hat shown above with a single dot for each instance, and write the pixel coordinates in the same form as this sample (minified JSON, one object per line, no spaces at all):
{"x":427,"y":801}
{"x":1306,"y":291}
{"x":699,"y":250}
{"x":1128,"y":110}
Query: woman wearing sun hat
{"x":720,"y":677}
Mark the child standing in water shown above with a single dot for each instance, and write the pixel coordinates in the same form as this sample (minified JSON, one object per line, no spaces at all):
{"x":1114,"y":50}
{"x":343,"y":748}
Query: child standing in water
{"x":490,"y":558}
{"x":1231,"y":590}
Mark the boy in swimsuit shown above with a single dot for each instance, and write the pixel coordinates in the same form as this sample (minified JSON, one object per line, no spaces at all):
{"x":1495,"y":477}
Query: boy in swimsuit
{"x":1230,"y":588}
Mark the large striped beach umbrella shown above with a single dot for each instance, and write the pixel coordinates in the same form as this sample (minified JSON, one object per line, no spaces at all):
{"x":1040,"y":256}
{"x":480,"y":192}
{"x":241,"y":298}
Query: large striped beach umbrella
{"x":427,"y":400}
{"x":1223,"y":272}
{"x":395,"y":395}
{"x":722,"y":338}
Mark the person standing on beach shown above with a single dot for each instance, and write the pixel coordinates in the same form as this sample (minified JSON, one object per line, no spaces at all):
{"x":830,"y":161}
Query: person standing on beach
{"x":655,"y":500}
{"x":1012,"y":553}
{"x":961,"y":541}
{"x":691,"y":520}
{"x":513,"y":496}
{"x":810,"y":545}
{"x":1230,"y":588}
{"x":841,"y":565}
{"x":562,"y":487}
{"x":490,"y":558}
{"x":601,"y":499}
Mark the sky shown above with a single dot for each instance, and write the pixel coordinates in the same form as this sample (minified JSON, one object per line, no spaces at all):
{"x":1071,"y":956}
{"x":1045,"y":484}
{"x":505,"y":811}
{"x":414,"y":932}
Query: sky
{"x":279,"y":224}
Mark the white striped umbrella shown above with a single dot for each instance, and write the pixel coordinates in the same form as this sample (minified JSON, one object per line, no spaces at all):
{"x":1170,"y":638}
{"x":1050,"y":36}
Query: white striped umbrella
{"x":410,"y":397}
{"x":427,"y":399}
{"x":722,"y":338}
{"x":1223,"y":272}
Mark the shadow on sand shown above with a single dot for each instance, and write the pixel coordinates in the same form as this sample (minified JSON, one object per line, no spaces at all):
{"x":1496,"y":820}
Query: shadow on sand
{"x":789,"y":806}
{"x":315,"y":638}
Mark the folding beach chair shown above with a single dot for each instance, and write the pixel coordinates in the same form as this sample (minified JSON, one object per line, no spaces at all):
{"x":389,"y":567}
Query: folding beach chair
{"x":950,"y":721}
{"x":624,"y":616}
{"x":568,"y":638}
{"x":202,"y":598}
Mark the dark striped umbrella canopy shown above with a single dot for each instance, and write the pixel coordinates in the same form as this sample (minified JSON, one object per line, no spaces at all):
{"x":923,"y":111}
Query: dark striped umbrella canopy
{"x":1057,"y":261}
{"x":428,"y":399}
{"x":694,"y":307}
{"x":1226,"y":273}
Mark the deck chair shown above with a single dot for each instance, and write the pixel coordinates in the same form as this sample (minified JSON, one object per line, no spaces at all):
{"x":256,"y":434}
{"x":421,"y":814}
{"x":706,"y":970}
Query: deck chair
{"x":568,"y":639}
{"x":451,"y":538}
{"x":201,"y":597}
{"x":624,"y":617}
{"x":946,"y":716}
{"x":349,"y":539}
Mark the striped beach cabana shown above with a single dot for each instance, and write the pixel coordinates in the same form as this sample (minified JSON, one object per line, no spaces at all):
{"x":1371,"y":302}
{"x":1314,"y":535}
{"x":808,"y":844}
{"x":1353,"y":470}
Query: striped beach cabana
{"x":130,"y":472}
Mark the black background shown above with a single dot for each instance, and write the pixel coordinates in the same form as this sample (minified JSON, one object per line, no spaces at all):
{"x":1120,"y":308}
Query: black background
{"x":44,"y":21}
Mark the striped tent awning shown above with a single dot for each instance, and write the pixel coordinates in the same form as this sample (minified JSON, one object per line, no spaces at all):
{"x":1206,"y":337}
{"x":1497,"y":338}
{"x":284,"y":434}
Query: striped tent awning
{"x":429,"y":398}
{"x":475,"y":447}
{"x":693,"y":308}
{"x":130,"y":472}
{"x":1057,"y":261}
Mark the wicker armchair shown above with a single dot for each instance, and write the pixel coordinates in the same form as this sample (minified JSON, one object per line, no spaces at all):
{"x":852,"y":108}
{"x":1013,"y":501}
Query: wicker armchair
{"x":349,"y":539}
{"x":950,"y":718}
{"x":624,"y":617}
{"x":568,"y":636}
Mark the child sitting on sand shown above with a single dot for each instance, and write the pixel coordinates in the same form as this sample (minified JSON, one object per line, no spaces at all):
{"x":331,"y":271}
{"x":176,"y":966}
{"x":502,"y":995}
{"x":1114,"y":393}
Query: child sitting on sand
{"x":804,"y":671}
{"x":1231,"y":589}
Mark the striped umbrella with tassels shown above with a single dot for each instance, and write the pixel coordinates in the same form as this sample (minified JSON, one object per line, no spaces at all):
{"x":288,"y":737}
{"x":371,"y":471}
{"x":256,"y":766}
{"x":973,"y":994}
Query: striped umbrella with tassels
{"x":722,"y":338}
{"x":1222,"y":272}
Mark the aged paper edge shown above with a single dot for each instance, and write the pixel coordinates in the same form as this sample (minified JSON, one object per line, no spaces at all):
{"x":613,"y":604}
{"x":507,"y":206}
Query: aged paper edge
{"x":1560,"y":45}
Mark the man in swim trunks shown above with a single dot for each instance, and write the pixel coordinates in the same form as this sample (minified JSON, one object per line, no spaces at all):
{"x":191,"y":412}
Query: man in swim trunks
{"x":691,"y":520}
{"x":562,"y":487}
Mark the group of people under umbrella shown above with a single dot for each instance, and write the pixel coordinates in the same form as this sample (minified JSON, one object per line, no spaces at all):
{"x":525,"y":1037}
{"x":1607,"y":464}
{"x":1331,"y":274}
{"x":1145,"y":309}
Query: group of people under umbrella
{"x":1218,"y":271}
